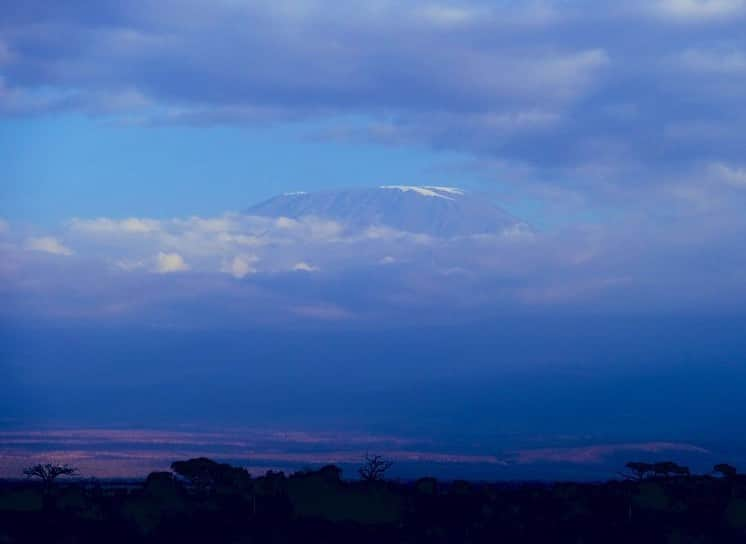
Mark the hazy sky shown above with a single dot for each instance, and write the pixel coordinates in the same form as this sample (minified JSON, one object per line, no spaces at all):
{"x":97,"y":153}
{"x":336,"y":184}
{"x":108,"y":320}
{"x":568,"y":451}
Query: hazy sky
{"x":132,"y":134}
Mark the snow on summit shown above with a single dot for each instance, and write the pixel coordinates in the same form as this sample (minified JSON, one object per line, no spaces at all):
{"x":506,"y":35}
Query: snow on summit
{"x":427,"y":190}
{"x":423,"y":209}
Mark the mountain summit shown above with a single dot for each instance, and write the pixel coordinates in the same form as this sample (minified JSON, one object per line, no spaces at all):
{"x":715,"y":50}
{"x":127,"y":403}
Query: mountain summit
{"x":431,"y":210}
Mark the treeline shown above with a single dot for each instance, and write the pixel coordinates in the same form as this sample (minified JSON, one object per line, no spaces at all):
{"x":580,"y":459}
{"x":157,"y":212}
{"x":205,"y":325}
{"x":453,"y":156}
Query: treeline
{"x":641,"y":471}
{"x":200,"y":500}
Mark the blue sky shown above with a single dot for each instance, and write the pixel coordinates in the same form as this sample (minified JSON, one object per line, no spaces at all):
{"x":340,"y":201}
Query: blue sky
{"x":131,"y":134}
{"x":70,"y":165}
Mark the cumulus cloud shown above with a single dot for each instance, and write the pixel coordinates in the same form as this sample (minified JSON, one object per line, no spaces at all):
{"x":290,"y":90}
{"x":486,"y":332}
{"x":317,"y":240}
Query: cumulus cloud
{"x":167,"y":263}
{"x":48,"y":244}
{"x":241,"y":266}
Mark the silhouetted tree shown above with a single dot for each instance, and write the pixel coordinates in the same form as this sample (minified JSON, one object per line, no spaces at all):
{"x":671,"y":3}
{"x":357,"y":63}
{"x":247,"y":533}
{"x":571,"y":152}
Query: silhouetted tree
{"x":331,"y":473}
{"x":49,"y":472}
{"x":374,"y":468}
{"x":668,"y":468}
{"x":728,"y":471}
{"x":205,"y":473}
{"x":641,"y":470}
{"x":272,"y":483}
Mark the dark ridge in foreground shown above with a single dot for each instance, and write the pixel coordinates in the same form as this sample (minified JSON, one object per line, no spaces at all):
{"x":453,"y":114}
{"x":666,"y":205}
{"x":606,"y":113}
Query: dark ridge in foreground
{"x":203,"y":501}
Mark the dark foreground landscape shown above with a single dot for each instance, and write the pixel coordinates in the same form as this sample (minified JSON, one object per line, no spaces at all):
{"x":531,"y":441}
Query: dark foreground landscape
{"x":204,"y":501}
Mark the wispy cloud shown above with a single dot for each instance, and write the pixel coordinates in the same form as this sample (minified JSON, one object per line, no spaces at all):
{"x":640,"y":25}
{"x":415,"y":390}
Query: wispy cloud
{"x":732,"y":175}
{"x":48,"y":244}
{"x":598,"y":453}
{"x":125,"y":452}
{"x":699,"y":11}
{"x":304,"y":267}
{"x":106,"y":226}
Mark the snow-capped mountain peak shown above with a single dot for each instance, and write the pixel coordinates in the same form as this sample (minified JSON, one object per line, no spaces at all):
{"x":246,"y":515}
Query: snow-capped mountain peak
{"x":424,"y":209}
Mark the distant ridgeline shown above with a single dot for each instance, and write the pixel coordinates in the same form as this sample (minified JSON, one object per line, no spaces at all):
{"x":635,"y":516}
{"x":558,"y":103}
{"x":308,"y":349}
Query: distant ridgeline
{"x":208,"y":502}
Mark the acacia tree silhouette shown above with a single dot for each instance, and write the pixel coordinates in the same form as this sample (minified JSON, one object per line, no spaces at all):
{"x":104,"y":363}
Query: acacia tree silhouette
{"x":49,"y":472}
{"x":205,"y":473}
{"x":374,"y":468}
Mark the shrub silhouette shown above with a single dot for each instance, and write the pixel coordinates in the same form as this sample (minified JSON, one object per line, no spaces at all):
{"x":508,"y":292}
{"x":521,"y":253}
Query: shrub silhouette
{"x":727,"y":471}
{"x":426,"y":486}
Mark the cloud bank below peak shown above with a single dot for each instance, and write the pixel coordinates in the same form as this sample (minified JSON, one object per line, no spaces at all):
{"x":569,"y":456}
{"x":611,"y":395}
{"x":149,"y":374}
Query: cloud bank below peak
{"x":240,"y":268}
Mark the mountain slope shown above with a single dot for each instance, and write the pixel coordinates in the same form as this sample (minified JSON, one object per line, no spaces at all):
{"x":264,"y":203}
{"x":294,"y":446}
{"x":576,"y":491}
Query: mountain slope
{"x":436,"y":211}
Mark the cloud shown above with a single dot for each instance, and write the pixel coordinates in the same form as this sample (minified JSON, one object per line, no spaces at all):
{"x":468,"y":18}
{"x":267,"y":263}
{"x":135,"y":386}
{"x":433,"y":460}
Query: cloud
{"x":733,"y":176}
{"x":361,"y":68}
{"x":639,"y":264}
{"x":104,"y":225}
{"x":48,"y":244}
{"x":105,"y":451}
{"x":167,"y":263}
{"x":597,"y":453}
{"x":728,"y":62}
{"x":383,"y":232}
{"x":325,"y":312}
{"x":302,"y":266}
{"x":449,"y":15}
{"x":699,"y":10}
{"x":129,"y":265}
{"x":241,"y":266}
